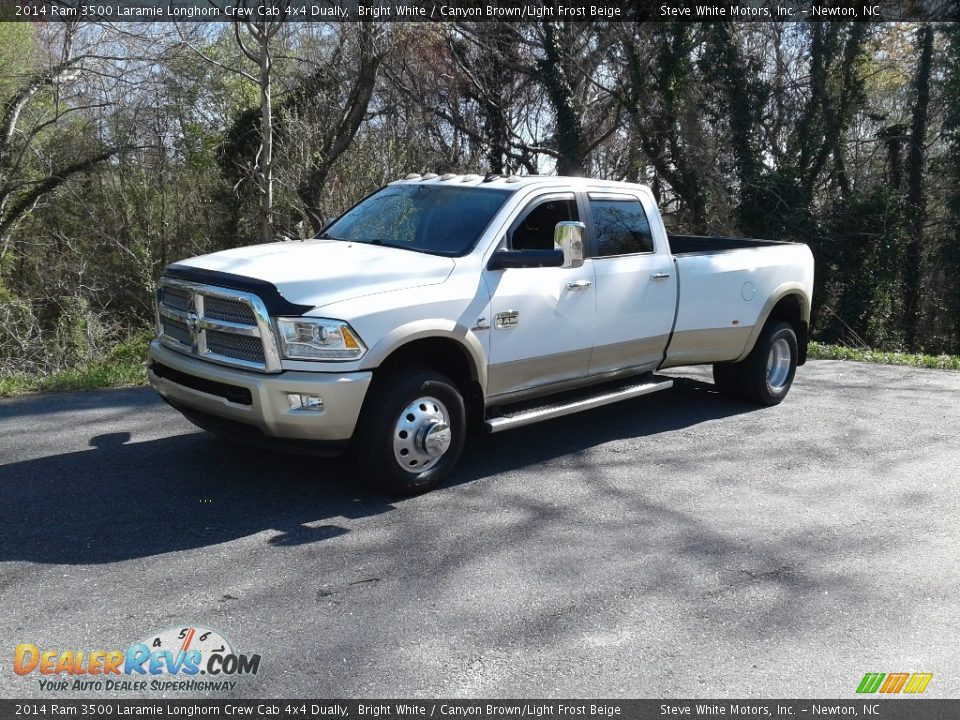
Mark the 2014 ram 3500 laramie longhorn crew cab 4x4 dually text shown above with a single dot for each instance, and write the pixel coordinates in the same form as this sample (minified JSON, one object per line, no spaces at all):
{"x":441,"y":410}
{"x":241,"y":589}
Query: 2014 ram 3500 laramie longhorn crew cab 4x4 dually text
{"x":438,"y":304}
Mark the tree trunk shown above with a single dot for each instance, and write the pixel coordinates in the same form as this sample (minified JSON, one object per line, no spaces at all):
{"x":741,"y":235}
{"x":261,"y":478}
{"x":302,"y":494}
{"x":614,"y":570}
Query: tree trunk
{"x":916,"y":207}
{"x":569,"y":133}
{"x":266,"y":127}
{"x":951,"y":129}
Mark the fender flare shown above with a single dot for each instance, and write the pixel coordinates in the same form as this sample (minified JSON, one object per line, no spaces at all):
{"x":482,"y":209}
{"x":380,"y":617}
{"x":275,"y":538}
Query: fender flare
{"x":431,"y":329}
{"x":784,"y":290}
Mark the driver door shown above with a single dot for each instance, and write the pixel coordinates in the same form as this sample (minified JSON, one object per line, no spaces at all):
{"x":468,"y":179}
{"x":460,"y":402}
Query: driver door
{"x":541,"y":319}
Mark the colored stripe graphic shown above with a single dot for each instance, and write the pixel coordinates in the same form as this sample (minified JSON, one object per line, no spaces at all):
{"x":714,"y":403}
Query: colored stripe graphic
{"x":894,"y":682}
{"x":187,"y":640}
{"x":870,"y":682}
{"x":918,"y":682}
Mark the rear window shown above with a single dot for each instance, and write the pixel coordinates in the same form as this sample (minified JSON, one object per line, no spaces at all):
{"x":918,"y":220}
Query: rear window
{"x":436,"y":219}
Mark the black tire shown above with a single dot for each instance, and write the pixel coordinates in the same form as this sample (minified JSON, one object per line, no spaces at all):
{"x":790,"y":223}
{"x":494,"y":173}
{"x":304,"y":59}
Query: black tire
{"x":374,"y":441}
{"x":755,"y":381}
{"x":726,"y":378}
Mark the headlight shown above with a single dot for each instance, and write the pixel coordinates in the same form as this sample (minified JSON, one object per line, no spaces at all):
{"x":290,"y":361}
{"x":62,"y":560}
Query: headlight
{"x":318,"y":339}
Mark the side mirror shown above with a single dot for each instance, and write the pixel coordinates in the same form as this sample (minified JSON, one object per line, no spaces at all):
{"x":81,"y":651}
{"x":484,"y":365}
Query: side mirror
{"x":568,"y":237}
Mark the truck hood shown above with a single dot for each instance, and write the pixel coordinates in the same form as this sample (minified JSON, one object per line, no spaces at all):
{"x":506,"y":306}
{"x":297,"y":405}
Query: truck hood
{"x":320,"y":272}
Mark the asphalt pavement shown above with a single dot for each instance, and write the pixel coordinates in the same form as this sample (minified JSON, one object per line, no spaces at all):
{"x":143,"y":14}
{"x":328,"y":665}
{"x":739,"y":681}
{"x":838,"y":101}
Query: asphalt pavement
{"x":676,"y":545}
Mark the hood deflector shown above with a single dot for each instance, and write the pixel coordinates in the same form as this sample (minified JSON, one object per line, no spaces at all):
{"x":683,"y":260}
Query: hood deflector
{"x":277,"y":305}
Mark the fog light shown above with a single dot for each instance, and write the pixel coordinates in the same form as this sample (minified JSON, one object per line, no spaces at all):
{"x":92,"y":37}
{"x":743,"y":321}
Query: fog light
{"x":298,"y":401}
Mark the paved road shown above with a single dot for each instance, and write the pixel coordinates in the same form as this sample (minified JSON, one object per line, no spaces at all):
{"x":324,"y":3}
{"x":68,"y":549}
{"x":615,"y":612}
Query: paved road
{"x":675,"y":545}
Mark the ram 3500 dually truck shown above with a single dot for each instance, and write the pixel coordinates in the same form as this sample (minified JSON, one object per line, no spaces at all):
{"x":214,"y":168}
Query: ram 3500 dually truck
{"x":439,"y":304}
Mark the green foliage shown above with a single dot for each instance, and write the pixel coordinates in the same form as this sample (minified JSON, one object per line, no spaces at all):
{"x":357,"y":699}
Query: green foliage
{"x":785,"y":131}
{"x":860,"y":254}
{"x":951,"y":169}
{"x":774,"y":206}
{"x":79,"y":334}
{"x":16,"y":52}
{"x":20,"y":334}
{"x":823,"y":351}
{"x":104,"y":374}
{"x":122,"y":365}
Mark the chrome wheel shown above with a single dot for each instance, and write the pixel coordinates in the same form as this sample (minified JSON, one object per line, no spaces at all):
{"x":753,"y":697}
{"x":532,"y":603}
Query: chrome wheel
{"x":421,"y":435}
{"x":778,"y":364}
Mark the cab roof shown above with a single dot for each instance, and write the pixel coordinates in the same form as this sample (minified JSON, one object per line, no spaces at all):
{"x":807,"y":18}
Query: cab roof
{"x":512,"y":182}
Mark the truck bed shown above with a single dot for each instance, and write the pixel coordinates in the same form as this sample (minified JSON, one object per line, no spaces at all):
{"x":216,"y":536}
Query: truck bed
{"x":700,"y":244}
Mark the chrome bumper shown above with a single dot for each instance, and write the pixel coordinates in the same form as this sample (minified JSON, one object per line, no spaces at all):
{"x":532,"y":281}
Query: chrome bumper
{"x":269,"y":409}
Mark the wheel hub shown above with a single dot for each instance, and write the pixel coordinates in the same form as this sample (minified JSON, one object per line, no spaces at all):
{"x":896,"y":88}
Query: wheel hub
{"x":422,"y":435}
{"x":434,"y":438}
{"x":778,"y":364}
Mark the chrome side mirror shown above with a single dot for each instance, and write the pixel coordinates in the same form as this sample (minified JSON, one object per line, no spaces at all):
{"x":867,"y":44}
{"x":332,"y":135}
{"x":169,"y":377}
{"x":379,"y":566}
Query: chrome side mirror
{"x":568,"y":236}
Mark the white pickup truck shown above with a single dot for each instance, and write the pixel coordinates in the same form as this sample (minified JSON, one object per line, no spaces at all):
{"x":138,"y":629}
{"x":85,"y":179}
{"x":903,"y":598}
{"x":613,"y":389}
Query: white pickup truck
{"x":440,"y":304}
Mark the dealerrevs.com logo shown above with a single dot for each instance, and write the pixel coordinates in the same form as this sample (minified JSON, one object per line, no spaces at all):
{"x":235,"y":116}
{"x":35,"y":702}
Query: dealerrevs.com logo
{"x":189,"y":659}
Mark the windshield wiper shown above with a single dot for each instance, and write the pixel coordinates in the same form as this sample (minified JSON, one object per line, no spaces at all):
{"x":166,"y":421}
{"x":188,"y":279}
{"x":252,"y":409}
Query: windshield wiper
{"x":377,"y":241}
{"x":402,"y":246}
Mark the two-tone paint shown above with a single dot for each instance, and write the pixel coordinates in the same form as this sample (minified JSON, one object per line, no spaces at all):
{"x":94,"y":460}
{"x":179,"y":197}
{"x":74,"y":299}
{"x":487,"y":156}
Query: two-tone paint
{"x":609,"y":317}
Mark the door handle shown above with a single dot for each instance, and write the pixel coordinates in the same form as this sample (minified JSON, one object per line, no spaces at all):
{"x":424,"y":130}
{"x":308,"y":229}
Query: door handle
{"x":579,"y":284}
{"x":660,"y":276}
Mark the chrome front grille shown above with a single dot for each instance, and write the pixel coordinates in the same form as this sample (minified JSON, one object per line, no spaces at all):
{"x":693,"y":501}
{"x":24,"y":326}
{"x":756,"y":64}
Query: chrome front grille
{"x":219,"y":309}
{"x":235,"y":346}
{"x":177,"y":299}
{"x":230,"y":327}
{"x":176,"y":329}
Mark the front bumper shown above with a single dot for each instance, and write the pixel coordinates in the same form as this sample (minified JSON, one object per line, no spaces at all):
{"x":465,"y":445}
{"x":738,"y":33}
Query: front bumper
{"x":260,"y":400}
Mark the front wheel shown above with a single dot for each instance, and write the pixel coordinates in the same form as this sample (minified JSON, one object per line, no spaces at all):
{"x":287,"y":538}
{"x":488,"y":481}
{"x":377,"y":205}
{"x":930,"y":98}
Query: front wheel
{"x":411,"y":432}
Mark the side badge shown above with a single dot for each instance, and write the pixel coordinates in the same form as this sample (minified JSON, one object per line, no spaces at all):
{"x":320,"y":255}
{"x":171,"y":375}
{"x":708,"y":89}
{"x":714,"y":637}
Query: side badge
{"x":508,"y":319}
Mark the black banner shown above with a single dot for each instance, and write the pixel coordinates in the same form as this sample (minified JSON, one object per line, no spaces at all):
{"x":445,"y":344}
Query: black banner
{"x":866,"y":707}
{"x":480,"y":10}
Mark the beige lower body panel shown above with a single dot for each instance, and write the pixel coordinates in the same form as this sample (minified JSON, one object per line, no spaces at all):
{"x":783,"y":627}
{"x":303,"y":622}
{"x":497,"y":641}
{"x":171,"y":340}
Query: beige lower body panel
{"x":519,"y":376}
{"x":689,"y":347}
{"x":269,"y":409}
{"x":636,"y":354}
{"x":534,"y":377}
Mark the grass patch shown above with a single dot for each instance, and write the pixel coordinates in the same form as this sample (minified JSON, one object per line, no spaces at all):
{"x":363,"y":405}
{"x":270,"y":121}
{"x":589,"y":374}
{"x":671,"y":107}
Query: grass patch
{"x":821,"y":351}
{"x":122,"y":367}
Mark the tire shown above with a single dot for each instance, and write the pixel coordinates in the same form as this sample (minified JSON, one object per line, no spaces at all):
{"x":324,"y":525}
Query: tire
{"x":411,"y":432}
{"x":767,"y":372}
{"x":726,"y":378}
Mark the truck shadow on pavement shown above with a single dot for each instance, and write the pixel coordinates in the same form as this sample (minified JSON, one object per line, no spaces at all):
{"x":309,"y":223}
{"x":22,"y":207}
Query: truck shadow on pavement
{"x":121,"y":500}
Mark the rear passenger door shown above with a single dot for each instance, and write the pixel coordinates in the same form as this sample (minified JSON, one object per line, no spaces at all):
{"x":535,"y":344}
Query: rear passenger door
{"x":636,"y":282}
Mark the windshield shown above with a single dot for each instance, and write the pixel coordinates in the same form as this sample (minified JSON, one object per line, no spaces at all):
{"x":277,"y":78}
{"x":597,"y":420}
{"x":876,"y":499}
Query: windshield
{"x":437,"y":219}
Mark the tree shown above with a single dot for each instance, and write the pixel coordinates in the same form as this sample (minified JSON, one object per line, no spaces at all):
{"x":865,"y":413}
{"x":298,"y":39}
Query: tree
{"x":31,"y":110}
{"x":951,"y":254}
{"x":656,"y":91}
{"x":329,"y":105}
{"x":254,"y":31}
{"x":916,"y":202}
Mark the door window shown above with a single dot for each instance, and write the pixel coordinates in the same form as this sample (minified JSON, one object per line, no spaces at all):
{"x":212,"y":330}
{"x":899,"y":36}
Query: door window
{"x":621,"y":227}
{"x":535,"y":229}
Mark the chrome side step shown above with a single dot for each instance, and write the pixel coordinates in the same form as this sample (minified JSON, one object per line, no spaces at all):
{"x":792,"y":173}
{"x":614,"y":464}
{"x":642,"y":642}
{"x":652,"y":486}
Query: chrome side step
{"x":536,"y":414}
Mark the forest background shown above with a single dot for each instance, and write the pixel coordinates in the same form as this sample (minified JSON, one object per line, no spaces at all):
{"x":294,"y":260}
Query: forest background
{"x":124,"y":147}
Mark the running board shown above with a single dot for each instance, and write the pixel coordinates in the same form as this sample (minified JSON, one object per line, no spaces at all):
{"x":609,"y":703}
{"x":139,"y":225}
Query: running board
{"x":528,"y":416}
